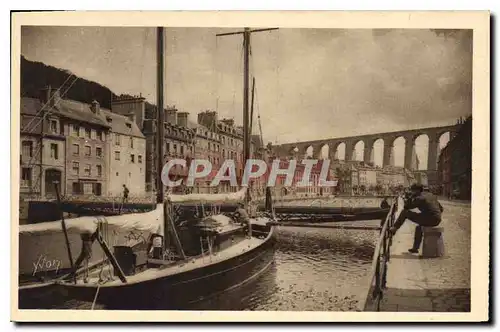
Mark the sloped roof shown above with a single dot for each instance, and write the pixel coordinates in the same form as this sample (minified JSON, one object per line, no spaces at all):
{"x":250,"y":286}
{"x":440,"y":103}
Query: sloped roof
{"x":30,"y":105}
{"x":79,"y":111}
{"x":119,"y":124}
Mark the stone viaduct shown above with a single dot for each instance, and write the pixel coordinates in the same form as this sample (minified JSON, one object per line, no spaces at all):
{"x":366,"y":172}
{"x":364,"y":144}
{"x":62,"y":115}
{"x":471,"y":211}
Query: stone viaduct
{"x":434,"y":134}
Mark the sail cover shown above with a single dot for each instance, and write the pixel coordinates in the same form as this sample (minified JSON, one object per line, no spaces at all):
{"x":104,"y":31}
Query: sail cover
{"x":238,"y":196}
{"x":42,"y":247}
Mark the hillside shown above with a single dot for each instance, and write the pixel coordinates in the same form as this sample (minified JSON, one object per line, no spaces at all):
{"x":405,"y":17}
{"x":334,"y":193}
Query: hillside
{"x":36,"y":76}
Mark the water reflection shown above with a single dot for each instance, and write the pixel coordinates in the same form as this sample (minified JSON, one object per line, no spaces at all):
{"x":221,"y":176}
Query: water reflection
{"x":314,"y":269}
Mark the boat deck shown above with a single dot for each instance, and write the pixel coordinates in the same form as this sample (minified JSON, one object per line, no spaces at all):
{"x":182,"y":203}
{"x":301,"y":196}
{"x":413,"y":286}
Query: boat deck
{"x":154,"y":273}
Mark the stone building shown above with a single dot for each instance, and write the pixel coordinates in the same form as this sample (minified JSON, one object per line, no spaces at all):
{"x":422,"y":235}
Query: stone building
{"x":207,"y":147}
{"x":232,"y":145}
{"x":455,"y":163}
{"x":42,"y":147}
{"x":127,"y":165}
{"x":87,"y":149}
{"x":79,"y":155}
{"x":178,"y":143}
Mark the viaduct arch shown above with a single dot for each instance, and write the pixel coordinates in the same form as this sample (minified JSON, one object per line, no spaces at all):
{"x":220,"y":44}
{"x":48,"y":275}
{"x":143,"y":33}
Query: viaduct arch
{"x":434,"y":134}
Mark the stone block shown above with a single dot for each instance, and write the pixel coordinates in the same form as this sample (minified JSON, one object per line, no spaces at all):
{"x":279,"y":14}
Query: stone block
{"x":433,"y":244}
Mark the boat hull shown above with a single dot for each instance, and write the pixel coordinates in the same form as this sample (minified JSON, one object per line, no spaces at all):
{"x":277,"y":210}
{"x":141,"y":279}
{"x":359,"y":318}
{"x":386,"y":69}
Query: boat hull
{"x":177,"y":291}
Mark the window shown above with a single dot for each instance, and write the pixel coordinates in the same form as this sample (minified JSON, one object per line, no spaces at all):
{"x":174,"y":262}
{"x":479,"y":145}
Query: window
{"x":208,"y":146}
{"x":182,"y":149}
{"x":53,"y":126}
{"x":54,"y":151}
{"x":131,"y":142}
{"x":88,"y":188}
{"x":76,"y":149}
{"x":88,"y":133}
{"x":167,"y":147}
{"x":224,"y":153}
{"x":25,"y":177}
{"x":75,"y":130}
{"x":76,"y":168}
{"x":98,"y":152}
{"x":86,"y":170}
{"x":77,"y":188}
{"x":175,"y":148}
{"x":27,"y":149}
{"x":117,"y":155}
{"x":82,"y":132}
{"x":93,"y":134}
{"x":117,"y":139}
{"x":139,"y":159}
{"x":87,"y":150}
{"x":132,"y":158}
{"x":99,"y":170}
{"x":101,"y":135}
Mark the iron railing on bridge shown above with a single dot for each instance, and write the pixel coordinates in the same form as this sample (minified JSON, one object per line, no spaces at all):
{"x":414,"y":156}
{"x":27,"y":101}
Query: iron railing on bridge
{"x":378,"y":272}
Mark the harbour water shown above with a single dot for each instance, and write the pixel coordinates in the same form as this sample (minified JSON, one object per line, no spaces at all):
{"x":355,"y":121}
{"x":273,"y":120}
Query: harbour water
{"x":314,"y":269}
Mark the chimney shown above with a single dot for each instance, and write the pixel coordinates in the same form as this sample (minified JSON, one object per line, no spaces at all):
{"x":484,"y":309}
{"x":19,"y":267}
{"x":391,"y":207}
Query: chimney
{"x":171,"y":116}
{"x":50,"y":96}
{"x":208,"y":119}
{"x":131,"y":117}
{"x":56,"y":98}
{"x":95,"y":107}
{"x":228,"y":122}
{"x":182,"y":119}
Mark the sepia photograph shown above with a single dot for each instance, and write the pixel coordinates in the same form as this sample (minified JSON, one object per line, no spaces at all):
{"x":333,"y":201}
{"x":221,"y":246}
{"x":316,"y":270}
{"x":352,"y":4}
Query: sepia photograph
{"x":287,"y":164}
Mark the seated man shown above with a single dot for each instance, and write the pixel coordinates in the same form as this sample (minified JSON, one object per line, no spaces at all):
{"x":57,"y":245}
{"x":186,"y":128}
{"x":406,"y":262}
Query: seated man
{"x":243,"y":218}
{"x":429,"y":215}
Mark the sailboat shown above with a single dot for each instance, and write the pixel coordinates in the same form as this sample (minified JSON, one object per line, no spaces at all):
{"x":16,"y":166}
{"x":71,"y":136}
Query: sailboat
{"x":183,"y":251}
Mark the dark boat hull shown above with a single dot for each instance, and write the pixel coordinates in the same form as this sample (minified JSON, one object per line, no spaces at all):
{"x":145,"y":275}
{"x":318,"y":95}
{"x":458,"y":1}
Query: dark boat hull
{"x":49,"y":211}
{"x":179,"y":291}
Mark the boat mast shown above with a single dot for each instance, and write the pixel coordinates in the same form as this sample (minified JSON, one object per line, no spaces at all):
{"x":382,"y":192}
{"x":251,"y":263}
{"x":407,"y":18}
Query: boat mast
{"x":246,"y":49}
{"x":251,"y":108}
{"x":159,"y":115}
{"x":246,"y":134}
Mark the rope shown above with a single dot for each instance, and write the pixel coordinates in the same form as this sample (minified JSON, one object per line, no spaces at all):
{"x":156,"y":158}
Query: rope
{"x":46,"y":103}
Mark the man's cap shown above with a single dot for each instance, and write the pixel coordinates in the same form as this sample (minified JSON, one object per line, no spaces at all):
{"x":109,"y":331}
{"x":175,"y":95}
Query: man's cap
{"x":417,"y":186}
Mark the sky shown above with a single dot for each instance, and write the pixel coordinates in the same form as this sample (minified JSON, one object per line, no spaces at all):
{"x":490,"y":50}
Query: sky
{"x":310,"y":83}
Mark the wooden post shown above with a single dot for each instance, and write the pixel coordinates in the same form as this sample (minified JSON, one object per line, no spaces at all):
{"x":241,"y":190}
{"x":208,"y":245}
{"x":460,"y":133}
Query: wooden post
{"x":112,"y":258}
{"x":63,"y":223}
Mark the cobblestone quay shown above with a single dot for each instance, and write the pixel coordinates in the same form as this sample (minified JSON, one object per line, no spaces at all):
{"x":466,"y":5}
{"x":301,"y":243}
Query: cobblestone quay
{"x":432,"y":284}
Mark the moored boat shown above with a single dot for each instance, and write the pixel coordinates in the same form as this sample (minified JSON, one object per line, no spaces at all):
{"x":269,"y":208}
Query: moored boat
{"x":216,"y":253}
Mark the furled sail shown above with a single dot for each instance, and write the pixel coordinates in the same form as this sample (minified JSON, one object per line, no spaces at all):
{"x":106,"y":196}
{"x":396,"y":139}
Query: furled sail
{"x":238,"y":196}
{"x":147,"y":221}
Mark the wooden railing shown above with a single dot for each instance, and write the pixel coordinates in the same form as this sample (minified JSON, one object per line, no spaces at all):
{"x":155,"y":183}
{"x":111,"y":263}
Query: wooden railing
{"x":378,"y":273}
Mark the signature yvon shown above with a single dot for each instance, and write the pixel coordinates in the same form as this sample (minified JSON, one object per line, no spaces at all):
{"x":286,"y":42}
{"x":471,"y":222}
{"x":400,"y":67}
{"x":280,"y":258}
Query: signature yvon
{"x":45,"y":264}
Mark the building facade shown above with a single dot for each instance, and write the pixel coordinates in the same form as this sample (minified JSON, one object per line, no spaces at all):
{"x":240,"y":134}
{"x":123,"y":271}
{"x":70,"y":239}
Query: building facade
{"x":43,"y":144}
{"x":87,"y":148}
{"x":455,"y":164}
{"x":127,"y":146}
{"x":232,"y":145}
